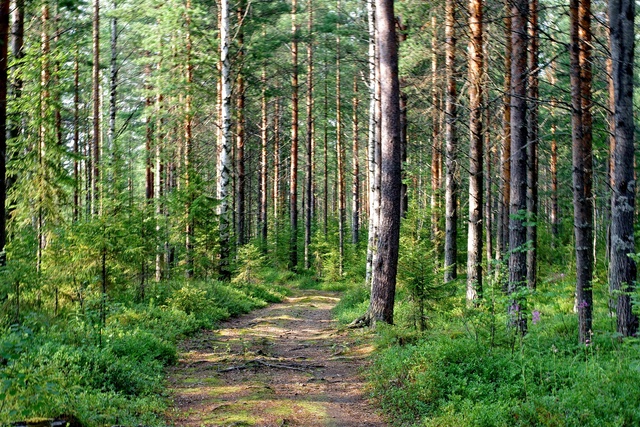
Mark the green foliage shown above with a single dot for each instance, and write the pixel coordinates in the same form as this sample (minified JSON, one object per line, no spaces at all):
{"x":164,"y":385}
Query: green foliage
{"x":470,"y":369}
{"x":113,"y":374}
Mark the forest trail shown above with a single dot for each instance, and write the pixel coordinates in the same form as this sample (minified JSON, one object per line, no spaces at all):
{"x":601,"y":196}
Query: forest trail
{"x":284,"y":365}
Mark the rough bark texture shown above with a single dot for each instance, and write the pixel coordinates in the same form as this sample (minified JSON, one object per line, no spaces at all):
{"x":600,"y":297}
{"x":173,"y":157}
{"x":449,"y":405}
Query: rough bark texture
{"x":505,"y":170}
{"x":622,"y":269}
{"x":293,"y":177}
{"x":310,"y":145}
{"x":436,"y":144}
{"x":342,"y":212}
{"x":451,"y":142}
{"x":264,"y":165}
{"x":386,"y":263}
{"x":474,"y":238}
{"x":241,"y":178}
{"x":518,"y":194}
{"x":532,"y":148}
{"x":96,"y":107}
{"x":582,"y":160}
{"x":188,"y":148}
{"x":373,"y":147}
{"x":553,"y":167}
{"x":4,"y":43}
{"x":355,"y":186}
{"x":223,"y":190}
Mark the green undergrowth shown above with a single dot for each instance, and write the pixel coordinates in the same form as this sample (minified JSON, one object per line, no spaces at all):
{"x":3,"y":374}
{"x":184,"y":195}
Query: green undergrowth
{"x":69,"y":364}
{"x":468,"y":368}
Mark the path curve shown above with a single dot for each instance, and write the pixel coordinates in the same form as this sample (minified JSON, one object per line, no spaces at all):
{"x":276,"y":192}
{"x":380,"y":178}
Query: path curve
{"x":284,"y":365}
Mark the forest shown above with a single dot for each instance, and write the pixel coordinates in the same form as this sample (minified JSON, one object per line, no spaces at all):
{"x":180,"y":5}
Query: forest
{"x":462,"y":175}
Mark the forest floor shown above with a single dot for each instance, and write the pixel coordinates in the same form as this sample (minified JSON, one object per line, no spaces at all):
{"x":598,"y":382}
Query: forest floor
{"x":285,"y":365}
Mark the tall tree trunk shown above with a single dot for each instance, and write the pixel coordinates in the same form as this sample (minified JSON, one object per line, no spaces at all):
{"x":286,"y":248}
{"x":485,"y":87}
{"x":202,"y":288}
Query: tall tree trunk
{"x":293,"y":178}
{"x":76,"y":135}
{"x":474,"y":240}
{"x":15,"y":123}
{"x":404,"y":127}
{"x":95,"y":181}
{"x":451,"y":143}
{"x":582,"y":160}
{"x":385,"y":266}
{"x":113,"y":86}
{"x":310,"y":145}
{"x":325,"y":213}
{"x":553,"y":167}
{"x":264,"y":163}
{"x":188,"y":148}
{"x":505,"y":170}
{"x":45,"y":77}
{"x":4,"y":60}
{"x":158,"y":184}
{"x":373,"y":147}
{"x":224,"y":149}
{"x":435,"y":143}
{"x":241,"y":182}
{"x":622,"y":268}
{"x":518,"y":186}
{"x":355,"y":187}
{"x":148,"y":136}
{"x":532,"y":148}
{"x":340,"y":155}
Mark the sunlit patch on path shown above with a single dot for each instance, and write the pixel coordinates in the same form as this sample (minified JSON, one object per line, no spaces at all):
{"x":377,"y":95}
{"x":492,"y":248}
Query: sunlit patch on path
{"x":285,"y":365}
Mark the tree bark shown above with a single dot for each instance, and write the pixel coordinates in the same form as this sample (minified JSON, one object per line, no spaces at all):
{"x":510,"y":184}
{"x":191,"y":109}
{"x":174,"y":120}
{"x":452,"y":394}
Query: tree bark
{"x":435,"y":142}
{"x":340,"y":155}
{"x":386,"y":262}
{"x":518,"y":186}
{"x":241,"y":182}
{"x":188,"y":148}
{"x":372,"y":146}
{"x":474,"y":240}
{"x":582,"y":160}
{"x":310,"y":145}
{"x":264,"y":166}
{"x":293,"y":178}
{"x":622,"y":269}
{"x":504,"y":220}
{"x":95,"y":186}
{"x":451,"y":142}
{"x":355,"y":187}
{"x":4,"y":83}
{"x":532,"y":148}
{"x":224,"y":148}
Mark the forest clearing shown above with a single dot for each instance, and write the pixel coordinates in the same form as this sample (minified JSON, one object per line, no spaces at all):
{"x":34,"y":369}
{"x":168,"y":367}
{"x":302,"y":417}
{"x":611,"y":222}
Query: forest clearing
{"x":319,"y":212}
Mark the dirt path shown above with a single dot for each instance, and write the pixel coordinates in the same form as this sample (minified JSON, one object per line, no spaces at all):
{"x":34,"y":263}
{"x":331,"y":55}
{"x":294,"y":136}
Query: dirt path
{"x":285,"y":365}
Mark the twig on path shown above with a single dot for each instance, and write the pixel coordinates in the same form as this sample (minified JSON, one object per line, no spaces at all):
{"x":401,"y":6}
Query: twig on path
{"x":253,"y":363}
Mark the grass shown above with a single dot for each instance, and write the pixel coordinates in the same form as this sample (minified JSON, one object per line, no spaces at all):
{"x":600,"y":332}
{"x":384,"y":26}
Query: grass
{"x":469,"y":369}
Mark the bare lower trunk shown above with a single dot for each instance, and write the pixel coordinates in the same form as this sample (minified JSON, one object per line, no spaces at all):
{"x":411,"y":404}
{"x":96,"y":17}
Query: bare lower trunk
{"x":518,"y":195}
{"x":223,"y":192}
{"x":582,"y":161}
{"x":355,"y":187}
{"x":451,"y":141}
{"x":386,"y":262}
{"x":4,"y":42}
{"x":622,"y":268}
{"x":340,"y":159}
{"x":373,"y":147}
{"x":310,"y":146}
{"x":293,"y":178}
{"x":96,"y":107}
{"x":505,"y":170}
{"x":264,"y":175}
{"x":532,"y":149}
{"x":475,"y":241}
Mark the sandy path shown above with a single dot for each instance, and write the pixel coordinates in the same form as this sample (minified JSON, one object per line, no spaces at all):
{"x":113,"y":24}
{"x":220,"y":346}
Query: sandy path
{"x":285,"y":365}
